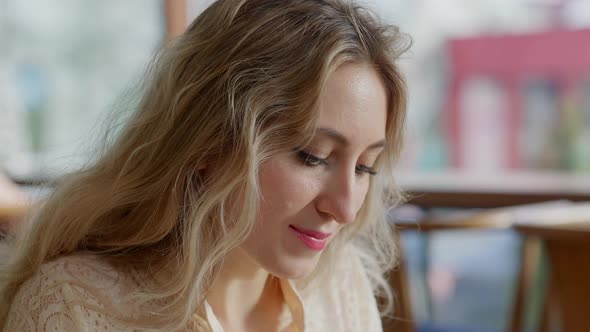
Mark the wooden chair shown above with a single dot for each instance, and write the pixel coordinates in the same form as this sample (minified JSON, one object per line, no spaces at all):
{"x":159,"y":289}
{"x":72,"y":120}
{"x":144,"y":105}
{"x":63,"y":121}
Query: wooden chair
{"x":403,"y":320}
{"x":549,"y":213}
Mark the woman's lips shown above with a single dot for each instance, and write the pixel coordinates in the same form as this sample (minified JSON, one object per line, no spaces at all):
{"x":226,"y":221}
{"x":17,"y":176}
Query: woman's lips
{"x":312,"y":239}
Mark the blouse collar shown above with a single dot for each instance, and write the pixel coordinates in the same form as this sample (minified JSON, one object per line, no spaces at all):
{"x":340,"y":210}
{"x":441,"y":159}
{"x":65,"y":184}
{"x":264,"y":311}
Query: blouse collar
{"x":292,"y":300}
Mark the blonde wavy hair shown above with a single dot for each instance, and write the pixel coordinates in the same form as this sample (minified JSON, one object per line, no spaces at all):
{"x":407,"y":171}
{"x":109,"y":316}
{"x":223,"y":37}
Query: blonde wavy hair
{"x":241,"y":84}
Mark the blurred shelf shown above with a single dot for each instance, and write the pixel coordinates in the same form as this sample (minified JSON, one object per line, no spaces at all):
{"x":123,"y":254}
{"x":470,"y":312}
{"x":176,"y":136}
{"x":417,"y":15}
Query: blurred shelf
{"x":485,"y":190}
{"x":470,"y":190}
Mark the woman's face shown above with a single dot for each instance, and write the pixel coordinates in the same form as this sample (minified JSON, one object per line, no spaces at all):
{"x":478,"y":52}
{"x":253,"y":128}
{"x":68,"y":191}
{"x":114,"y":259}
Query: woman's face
{"x":310,"y":194}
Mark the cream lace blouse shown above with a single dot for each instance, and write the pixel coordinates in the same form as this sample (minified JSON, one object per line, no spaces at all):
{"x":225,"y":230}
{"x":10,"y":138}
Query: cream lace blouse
{"x":62,"y":296}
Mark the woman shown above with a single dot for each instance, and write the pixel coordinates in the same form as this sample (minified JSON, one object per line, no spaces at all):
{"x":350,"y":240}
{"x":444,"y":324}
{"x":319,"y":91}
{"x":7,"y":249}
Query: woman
{"x":247,"y":193}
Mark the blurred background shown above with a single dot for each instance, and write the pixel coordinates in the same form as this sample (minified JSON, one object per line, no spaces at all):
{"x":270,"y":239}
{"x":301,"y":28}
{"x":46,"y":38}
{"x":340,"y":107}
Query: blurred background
{"x":499,"y":119}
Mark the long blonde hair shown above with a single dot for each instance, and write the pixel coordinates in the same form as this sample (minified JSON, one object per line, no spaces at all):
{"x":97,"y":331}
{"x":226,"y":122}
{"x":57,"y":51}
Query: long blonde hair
{"x":242,"y":83}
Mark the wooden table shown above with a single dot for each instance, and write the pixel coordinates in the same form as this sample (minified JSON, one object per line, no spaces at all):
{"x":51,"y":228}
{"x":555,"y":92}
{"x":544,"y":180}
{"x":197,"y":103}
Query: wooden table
{"x":492,"y":190}
{"x":568,"y":290}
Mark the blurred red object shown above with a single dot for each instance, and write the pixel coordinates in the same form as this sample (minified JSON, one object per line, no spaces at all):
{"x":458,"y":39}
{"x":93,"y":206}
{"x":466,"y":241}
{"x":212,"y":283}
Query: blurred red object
{"x":563,"y":56}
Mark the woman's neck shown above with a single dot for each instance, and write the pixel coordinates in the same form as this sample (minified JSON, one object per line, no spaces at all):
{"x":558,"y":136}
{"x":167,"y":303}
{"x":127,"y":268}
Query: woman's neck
{"x":244,"y":296}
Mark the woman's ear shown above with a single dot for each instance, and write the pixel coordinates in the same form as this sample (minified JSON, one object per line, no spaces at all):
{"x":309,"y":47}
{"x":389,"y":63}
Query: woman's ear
{"x":198,"y":177}
{"x":202,"y":169}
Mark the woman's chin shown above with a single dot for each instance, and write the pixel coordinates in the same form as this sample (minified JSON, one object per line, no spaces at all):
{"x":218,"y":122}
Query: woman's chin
{"x":294,"y":269}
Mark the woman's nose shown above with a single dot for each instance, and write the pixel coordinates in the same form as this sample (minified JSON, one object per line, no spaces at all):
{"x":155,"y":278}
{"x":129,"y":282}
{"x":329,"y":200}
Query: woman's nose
{"x":341,"y":198}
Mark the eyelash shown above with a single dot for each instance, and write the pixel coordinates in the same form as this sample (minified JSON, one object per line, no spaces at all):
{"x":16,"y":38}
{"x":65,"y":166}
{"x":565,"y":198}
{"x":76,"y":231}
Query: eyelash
{"x":311,"y":160}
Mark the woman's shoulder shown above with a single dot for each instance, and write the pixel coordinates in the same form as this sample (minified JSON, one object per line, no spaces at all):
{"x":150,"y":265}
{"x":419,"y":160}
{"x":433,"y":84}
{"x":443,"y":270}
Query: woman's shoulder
{"x":70,"y":293}
{"x":79,"y":268}
{"x":86,"y":273}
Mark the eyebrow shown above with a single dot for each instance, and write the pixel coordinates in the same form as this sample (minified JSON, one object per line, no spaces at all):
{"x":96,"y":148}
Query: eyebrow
{"x":344,"y":141}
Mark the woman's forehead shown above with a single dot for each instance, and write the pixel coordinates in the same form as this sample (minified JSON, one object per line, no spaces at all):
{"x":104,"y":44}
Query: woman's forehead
{"x":354,"y":104}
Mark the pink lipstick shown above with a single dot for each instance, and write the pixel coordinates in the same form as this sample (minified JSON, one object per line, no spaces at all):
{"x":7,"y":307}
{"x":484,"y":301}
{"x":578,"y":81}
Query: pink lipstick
{"x":312,"y":239}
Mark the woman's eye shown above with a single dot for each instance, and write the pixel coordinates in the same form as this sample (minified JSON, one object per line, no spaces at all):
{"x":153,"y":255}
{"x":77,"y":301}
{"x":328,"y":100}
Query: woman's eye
{"x":362,"y":169}
{"x":309,"y":159}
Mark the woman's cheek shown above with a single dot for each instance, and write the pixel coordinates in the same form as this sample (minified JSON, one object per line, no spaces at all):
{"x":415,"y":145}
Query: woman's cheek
{"x":287,"y":186}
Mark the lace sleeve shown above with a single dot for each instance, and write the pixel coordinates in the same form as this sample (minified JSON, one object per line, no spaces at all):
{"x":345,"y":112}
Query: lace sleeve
{"x":50,"y":301}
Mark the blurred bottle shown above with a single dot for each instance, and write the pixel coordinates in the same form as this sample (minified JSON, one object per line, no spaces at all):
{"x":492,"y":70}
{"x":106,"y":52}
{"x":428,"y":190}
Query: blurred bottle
{"x":33,"y":89}
{"x":581,"y":142}
{"x":435,"y":154}
{"x":15,"y":138}
{"x":571,"y":127}
{"x":484,"y":124}
{"x":539,"y":137}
